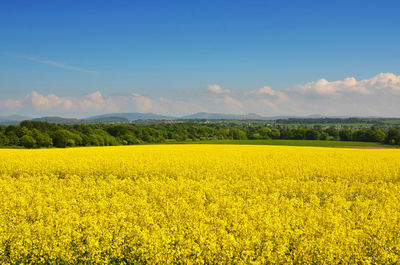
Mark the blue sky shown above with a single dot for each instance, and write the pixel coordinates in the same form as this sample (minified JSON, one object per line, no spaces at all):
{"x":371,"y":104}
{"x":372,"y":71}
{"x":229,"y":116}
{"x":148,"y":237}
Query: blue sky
{"x":174,"y":50}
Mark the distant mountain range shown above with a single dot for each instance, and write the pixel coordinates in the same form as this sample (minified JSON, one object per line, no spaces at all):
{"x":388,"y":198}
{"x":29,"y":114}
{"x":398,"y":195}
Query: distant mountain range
{"x":12,"y":119}
{"x":58,"y":120}
{"x":129,"y":117}
{"x":195,"y":116}
{"x":200,"y":115}
{"x":218,"y":116}
{"x":133,"y":116}
{"x":94,"y":120}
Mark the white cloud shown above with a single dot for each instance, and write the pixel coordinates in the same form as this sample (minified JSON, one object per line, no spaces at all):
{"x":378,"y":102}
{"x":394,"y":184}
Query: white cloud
{"x":384,"y":82}
{"x":376,"y":96}
{"x":266,"y":90}
{"x":93,"y":103}
{"x":177,"y":107}
{"x":233,"y":104}
{"x":12,"y":104}
{"x":217,"y":89}
{"x":143,"y":104}
{"x":49,"y":102}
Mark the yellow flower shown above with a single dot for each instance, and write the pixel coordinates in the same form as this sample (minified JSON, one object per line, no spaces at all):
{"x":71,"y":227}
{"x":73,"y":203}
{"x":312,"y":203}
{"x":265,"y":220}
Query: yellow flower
{"x":199,"y":204}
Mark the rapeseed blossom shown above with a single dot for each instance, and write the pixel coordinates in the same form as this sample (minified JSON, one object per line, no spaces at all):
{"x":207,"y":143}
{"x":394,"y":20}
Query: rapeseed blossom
{"x":200,"y":204}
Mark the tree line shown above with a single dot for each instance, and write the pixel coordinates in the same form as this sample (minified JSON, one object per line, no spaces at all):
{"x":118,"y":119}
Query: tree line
{"x":37,"y":134}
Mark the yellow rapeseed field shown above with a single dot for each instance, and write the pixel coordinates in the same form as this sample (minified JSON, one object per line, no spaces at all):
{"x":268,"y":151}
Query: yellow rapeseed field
{"x":200,"y":204}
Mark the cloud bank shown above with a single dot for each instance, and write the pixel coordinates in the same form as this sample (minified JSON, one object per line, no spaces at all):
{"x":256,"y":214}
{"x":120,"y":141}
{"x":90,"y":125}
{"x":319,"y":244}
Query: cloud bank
{"x":376,"y":96}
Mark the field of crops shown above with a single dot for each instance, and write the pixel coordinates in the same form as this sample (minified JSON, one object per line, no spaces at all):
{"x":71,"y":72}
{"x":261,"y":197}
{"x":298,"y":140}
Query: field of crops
{"x":201,"y":204}
{"x":319,"y":143}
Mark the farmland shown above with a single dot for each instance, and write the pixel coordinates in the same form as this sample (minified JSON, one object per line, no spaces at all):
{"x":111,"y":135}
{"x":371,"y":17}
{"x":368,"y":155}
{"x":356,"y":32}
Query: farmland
{"x":317,"y":143}
{"x":199,"y":204}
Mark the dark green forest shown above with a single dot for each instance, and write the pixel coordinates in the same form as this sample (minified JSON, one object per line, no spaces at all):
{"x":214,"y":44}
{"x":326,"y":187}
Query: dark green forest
{"x":37,"y":134}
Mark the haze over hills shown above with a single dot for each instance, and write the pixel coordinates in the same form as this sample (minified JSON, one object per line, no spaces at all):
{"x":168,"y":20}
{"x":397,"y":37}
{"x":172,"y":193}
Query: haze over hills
{"x":132,"y":116}
{"x":100,"y":120}
{"x":215,"y":116}
{"x":12,"y":119}
{"x":200,"y":115}
{"x":135,"y":116}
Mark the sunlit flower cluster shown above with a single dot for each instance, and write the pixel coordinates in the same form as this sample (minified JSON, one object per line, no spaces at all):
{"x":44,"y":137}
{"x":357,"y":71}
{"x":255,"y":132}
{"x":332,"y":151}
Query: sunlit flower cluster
{"x":200,"y":204}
